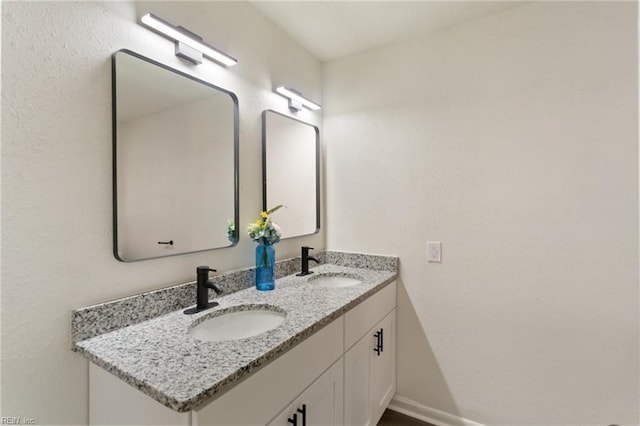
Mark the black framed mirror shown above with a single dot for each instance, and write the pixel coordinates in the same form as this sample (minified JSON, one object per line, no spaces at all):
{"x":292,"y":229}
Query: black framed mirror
{"x":175,"y":161}
{"x":291,"y":172}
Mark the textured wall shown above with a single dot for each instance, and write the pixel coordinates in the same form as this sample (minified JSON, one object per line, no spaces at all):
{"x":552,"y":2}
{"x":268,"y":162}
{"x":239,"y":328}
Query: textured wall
{"x":512,"y":139}
{"x":56,"y":172}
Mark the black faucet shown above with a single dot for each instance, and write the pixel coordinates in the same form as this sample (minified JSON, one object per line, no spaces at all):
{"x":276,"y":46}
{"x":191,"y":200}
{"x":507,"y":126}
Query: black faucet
{"x":305,"y":261}
{"x":203,"y":286}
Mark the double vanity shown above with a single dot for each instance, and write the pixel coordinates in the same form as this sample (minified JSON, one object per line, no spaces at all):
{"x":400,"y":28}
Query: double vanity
{"x":319,"y":349}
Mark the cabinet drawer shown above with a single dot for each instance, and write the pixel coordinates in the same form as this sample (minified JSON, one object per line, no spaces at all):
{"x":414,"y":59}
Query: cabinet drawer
{"x":363,"y":317}
{"x":264,"y":394}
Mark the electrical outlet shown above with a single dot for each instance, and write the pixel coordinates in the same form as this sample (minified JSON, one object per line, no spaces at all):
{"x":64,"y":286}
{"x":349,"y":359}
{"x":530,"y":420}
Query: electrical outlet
{"x":434,"y":251}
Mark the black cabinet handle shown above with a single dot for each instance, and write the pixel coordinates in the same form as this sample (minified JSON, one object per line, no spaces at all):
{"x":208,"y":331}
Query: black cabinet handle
{"x":293,"y":420}
{"x":379,"y":335}
{"x":303,"y":411}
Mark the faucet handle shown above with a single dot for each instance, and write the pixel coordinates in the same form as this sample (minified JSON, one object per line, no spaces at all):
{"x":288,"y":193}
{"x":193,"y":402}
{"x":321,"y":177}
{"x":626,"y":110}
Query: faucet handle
{"x":201,"y":269}
{"x":305,"y":250}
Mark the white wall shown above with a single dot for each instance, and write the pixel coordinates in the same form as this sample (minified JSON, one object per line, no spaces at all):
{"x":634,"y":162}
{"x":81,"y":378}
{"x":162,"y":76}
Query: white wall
{"x":512,"y":139}
{"x":56,"y":173}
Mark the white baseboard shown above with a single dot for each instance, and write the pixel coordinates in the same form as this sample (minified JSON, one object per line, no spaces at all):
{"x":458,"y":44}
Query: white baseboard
{"x":418,"y":411}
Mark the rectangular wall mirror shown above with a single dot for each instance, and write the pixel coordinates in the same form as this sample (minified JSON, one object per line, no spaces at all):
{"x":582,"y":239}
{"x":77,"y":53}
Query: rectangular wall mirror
{"x":291,"y":172}
{"x":175,"y":151}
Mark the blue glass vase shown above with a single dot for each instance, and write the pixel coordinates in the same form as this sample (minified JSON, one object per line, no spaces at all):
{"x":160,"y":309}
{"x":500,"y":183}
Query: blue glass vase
{"x":265,"y":267}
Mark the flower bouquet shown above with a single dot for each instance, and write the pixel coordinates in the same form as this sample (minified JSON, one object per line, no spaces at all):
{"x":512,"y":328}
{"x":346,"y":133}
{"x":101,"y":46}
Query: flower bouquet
{"x":266,"y":233}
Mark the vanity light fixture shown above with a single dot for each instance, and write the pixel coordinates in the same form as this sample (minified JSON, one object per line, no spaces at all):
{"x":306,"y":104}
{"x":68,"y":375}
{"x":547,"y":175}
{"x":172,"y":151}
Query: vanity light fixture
{"x":188,"y":45}
{"x":296,"y":100}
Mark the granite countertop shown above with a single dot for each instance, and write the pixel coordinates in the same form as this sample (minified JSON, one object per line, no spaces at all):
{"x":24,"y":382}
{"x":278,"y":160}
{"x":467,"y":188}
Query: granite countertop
{"x":159,"y":358}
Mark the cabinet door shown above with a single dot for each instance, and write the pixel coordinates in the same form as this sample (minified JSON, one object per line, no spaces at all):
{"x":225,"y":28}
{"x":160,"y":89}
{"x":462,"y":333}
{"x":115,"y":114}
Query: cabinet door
{"x":370,"y":374}
{"x":357,"y":382}
{"x":383,"y":366}
{"x":320,"y":405}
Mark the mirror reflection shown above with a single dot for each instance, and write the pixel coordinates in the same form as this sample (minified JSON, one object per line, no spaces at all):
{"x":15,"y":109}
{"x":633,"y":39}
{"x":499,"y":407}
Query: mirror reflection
{"x":175,"y":160}
{"x":291,"y":172}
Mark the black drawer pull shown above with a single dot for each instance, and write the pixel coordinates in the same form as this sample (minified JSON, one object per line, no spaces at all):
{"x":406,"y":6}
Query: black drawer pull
{"x":303,"y":411}
{"x":378,"y":348}
{"x":293,"y":420}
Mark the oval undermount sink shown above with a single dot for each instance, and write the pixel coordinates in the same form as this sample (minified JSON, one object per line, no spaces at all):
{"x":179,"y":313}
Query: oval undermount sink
{"x":334,"y":280}
{"x":234,"y":324}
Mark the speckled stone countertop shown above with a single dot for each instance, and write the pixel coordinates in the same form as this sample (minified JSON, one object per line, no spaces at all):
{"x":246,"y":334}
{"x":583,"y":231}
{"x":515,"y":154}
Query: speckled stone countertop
{"x":159,"y":357}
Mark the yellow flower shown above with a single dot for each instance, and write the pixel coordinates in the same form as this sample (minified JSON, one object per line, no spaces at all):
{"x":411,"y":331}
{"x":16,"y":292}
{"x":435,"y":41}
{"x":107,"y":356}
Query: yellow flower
{"x":264,"y":214}
{"x":259,"y":222}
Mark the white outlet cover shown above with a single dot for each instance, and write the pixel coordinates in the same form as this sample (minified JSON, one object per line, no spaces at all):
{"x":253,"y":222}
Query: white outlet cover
{"x":434,"y":251}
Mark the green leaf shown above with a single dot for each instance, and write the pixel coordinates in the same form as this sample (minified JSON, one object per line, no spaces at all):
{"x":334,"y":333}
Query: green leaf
{"x":274,"y":209}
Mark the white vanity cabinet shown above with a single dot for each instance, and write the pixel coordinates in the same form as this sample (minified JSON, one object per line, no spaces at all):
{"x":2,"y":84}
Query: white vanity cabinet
{"x":369,"y":364}
{"x":254,"y":401}
{"x":334,"y":377}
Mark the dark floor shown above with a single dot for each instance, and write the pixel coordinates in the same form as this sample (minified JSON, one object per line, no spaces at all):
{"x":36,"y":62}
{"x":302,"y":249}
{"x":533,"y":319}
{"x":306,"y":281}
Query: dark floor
{"x":392,"y":418}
